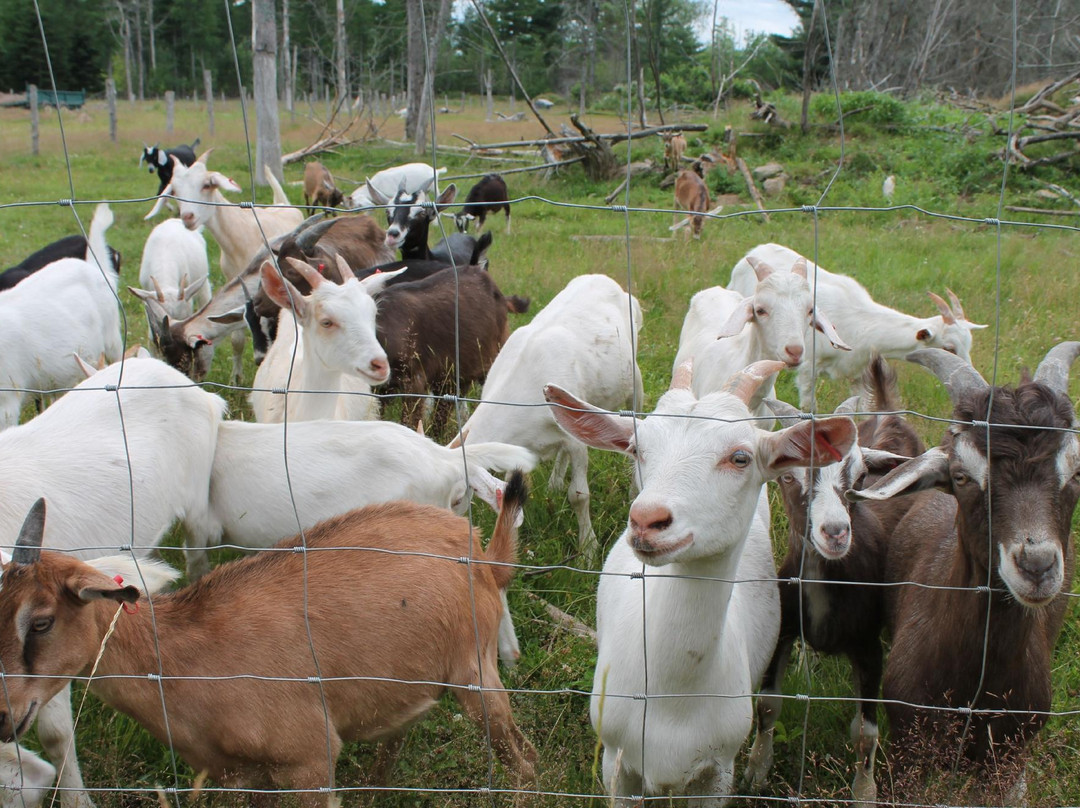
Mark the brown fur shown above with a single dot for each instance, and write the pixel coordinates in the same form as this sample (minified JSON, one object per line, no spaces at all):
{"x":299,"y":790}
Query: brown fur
{"x":389,"y":615}
{"x":674,"y":148}
{"x":316,"y":177}
{"x":692,"y":195}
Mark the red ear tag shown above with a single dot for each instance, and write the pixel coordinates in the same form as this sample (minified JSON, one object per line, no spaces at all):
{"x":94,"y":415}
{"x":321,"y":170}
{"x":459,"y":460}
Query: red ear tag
{"x":322,"y":267}
{"x":378,"y":272}
{"x":119,"y":580}
{"x":130,"y":608}
{"x":823,"y":442}
{"x":204,"y":339}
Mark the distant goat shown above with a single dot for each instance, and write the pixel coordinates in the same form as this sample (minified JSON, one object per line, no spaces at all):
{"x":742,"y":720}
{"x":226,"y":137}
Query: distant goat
{"x":489,"y":195}
{"x":692,"y":195}
{"x":160,"y":160}
{"x":674,"y":148}
{"x":387,"y":182}
{"x":319,"y":188}
{"x":425,"y":619}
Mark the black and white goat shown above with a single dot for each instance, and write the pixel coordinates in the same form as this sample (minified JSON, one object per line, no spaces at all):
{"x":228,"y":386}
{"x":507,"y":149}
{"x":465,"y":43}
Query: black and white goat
{"x":489,"y":195}
{"x":408,"y":220}
{"x":159,"y":160}
{"x":66,"y":247}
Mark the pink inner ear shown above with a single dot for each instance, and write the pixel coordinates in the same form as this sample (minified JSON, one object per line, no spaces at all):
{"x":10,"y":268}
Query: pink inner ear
{"x":823,"y":443}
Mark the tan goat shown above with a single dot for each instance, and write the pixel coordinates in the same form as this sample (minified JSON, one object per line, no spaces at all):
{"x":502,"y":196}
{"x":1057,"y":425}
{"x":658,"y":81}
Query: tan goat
{"x":691,"y":194}
{"x":319,"y":188}
{"x":674,"y":147}
{"x":401,"y":618}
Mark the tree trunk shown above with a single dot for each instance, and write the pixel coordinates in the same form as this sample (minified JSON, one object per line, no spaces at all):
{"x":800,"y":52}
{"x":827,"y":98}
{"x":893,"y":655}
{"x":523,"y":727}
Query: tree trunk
{"x":153,"y":37}
{"x":139,"y":50}
{"x":807,"y":68}
{"x":264,"y":88}
{"x":340,"y":52}
{"x":415,"y":66}
{"x":286,"y":55}
{"x":125,"y":26}
{"x":434,"y":36}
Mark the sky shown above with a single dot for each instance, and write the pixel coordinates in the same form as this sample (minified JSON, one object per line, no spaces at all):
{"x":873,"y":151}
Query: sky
{"x":762,"y":16}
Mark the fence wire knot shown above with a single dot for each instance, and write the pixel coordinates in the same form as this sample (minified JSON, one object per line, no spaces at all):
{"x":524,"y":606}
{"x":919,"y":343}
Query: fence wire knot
{"x":982,"y":424}
{"x":626,"y":413}
{"x":803,"y":697}
{"x":810,"y":209}
{"x":278,"y":391}
{"x":983,"y":590}
{"x":992,"y":221}
{"x":65,"y":203}
{"x":620,"y":208}
{"x":449,"y":397}
{"x":634,"y":575}
{"x":300,"y":548}
{"x":463,"y":560}
{"x":247,"y":205}
{"x":111,"y":388}
{"x":313,"y":680}
{"x":153,"y":677}
{"x":473,"y":688}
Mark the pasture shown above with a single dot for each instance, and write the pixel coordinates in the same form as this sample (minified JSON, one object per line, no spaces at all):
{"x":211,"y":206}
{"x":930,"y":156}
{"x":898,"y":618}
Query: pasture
{"x":1022,"y":281}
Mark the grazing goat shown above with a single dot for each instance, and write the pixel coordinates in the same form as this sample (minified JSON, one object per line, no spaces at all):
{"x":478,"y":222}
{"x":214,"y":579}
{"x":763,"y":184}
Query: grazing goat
{"x":161,"y":160}
{"x":69,"y":308}
{"x":331,"y":336}
{"x":66,"y":247}
{"x":583,"y":340}
{"x":692,"y":195}
{"x":724,"y":331}
{"x":174,"y":263}
{"x":833,"y":547}
{"x":674,"y":148}
{"x":868,"y":326}
{"x":425,"y":620}
{"x":241,"y":232}
{"x":387,"y":182}
{"x":982,"y":568}
{"x":319,"y":188}
{"x":489,"y":195}
{"x":700,"y":527}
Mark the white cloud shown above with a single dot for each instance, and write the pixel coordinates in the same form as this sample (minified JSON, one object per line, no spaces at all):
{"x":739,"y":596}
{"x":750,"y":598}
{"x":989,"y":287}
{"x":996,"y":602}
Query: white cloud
{"x":758,"y":16}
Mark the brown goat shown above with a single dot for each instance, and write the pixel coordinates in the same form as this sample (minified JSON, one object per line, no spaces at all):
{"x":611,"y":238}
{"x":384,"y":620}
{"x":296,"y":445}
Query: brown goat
{"x":692,"y":195}
{"x":1023,"y":473}
{"x":319,"y":188}
{"x":391,"y":631}
{"x":674,"y":148}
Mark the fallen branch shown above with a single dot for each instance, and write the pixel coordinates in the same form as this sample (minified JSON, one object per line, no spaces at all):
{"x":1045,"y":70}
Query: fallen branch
{"x":1037,"y":100}
{"x":755,"y":194}
{"x":632,"y":171}
{"x":564,"y":620}
{"x":688,"y":219}
{"x":580,"y":237}
{"x":1048,"y":212}
{"x":614,"y":137}
{"x":540,"y":167}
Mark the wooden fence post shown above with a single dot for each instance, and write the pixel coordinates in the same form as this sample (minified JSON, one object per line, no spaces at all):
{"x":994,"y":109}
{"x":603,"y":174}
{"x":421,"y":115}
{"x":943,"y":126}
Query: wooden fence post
{"x":208,"y":88}
{"x":170,"y":110}
{"x":110,"y":97}
{"x":32,"y":92}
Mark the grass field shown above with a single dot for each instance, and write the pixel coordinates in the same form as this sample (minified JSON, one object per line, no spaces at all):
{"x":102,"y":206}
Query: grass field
{"x":1020,"y":280}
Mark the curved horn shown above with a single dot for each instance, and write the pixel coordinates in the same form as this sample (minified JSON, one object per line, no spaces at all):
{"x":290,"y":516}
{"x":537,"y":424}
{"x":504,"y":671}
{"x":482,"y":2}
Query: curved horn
{"x":343,"y":268}
{"x":746,"y":382}
{"x":761,"y":269}
{"x":307,"y":235}
{"x":28,"y":545}
{"x":957,"y":309}
{"x":799,"y":267}
{"x":946,"y":313}
{"x":309,"y":274}
{"x":683,"y":375}
{"x":157,"y":289}
{"x":1053,"y":371}
{"x":202,"y":158}
{"x":958,"y":376}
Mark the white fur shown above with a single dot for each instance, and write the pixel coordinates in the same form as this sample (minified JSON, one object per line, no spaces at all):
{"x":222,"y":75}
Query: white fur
{"x":712,"y":637}
{"x":866,"y":325}
{"x":175,"y":257}
{"x":68,"y":307}
{"x":583,"y":340}
{"x":388,"y":181}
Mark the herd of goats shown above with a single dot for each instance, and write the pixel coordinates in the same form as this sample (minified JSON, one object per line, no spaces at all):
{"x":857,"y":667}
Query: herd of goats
{"x":962,"y":551}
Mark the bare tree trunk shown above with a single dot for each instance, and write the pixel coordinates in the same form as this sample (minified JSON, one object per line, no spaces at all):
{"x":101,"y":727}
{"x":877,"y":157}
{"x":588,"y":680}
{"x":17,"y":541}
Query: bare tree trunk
{"x":286,"y":54}
{"x":488,"y":81}
{"x":340,"y":51}
{"x":807,"y":67}
{"x":125,"y":26}
{"x":415,"y":66}
{"x":139,"y":50}
{"x":153,"y":36}
{"x":429,"y":74}
{"x":264,"y":88}
{"x":208,"y":88}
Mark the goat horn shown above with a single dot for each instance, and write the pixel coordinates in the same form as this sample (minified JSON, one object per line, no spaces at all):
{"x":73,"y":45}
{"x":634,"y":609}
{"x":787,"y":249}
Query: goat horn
{"x":946,"y":313}
{"x":799,"y":267}
{"x":958,"y":376}
{"x":957,"y":309}
{"x":28,"y":545}
{"x":183,"y":285}
{"x":683,"y":376}
{"x":746,"y":382}
{"x":310,"y":274}
{"x":157,"y":289}
{"x":344,"y":270}
{"x":1053,"y":371}
{"x":761,"y":269}
{"x":202,"y":158}
{"x":849,"y":406}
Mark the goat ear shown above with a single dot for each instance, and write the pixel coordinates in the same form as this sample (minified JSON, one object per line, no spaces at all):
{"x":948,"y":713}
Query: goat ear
{"x":447,"y":196}
{"x":222,"y":182}
{"x":228,"y":318}
{"x":589,"y":425}
{"x":743,"y":314}
{"x":85,"y":367}
{"x":165,"y":192}
{"x":376,"y":196}
{"x":924,"y":335}
{"x":142,"y":294}
{"x":825,"y":326}
{"x":90,"y":586}
{"x":162,"y":158}
{"x":878,"y":460}
{"x":928,"y":470}
{"x":188,"y":291}
{"x":486,"y":486}
{"x":281,"y":291}
{"x":808,"y":443}
{"x":154,"y":311}
{"x":377,"y":282}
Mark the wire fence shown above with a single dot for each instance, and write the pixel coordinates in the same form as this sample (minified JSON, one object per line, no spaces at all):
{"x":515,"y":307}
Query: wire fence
{"x":489,"y":689}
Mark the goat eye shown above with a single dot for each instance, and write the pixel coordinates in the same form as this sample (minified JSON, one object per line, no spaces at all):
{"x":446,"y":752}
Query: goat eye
{"x":740,"y":459}
{"x":41,"y":624}
{"x":960,"y":478}
{"x":787,"y":478}
{"x":760,"y":312}
{"x":326,"y":323}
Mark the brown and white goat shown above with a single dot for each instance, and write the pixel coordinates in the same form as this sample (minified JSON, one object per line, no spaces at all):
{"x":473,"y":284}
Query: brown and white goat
{"x":391,"y":631}
{"x":691,"y":194}
{"x":319,"y":188}
{"x":981,"y":568}
{"x":830,"y":581}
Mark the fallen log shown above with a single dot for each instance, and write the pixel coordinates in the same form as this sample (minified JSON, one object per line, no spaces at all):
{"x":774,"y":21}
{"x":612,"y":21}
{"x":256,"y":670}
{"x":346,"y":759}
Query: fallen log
{"x":755,"y":194}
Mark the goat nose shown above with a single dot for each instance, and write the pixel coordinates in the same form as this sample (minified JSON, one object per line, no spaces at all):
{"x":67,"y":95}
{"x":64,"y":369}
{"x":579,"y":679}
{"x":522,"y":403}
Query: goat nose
{"x":379,"y":367}
{"x":794,"y":353}
{"x":835,"y":531}
{"x":648,"y":519}
{"x":1037,"y":559}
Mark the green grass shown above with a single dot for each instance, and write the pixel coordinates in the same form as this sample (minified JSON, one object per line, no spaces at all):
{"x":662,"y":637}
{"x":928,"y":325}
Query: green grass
{"x":899,"y":256}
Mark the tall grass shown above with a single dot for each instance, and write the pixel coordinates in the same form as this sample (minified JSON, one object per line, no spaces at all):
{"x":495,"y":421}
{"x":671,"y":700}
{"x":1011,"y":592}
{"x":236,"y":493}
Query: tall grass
{"x":1030,"y":304}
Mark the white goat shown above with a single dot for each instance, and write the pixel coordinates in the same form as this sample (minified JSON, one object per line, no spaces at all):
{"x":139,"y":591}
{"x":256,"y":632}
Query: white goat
{"x":70,"y":308}
{"x":725,"y":330}
{"x":582,"y":340}
{"x":700,"y":526}
{"x":335,"y":340}
{"x":388,"y":182}
{"x":867,"y":325}
{"x":174,"y":269}
{"x":240,"y":231}
{"x":251,"y":499}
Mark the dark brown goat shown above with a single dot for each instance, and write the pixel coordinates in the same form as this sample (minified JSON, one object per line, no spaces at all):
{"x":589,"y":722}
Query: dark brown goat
{"x":319,"y":188}
{"x":1022,"y":477}
{"x":489,"y":195}
{"x":833,"y":545}
{"x":386,"y":627}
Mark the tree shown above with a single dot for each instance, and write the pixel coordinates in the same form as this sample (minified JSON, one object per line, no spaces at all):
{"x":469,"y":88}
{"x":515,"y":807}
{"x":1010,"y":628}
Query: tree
{"x":264,"y":87}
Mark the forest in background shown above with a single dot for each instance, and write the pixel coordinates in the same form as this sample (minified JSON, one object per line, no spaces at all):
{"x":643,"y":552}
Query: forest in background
{"x":682,"y":51}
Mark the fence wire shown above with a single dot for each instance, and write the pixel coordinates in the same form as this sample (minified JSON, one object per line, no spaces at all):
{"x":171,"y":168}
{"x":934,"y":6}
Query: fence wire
{"x":491,"y":792}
